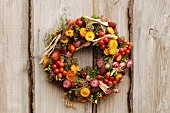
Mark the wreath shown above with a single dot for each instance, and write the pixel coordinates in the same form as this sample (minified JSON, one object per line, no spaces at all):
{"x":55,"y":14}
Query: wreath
{"x":87,"y":83}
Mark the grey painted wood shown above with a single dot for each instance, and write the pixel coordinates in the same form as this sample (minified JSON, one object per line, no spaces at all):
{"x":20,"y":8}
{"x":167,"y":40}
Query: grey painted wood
{"x":117,"y":11}
{"x":13,"y":56}
{"x":49,"y":97}
{"x":151,"y":28}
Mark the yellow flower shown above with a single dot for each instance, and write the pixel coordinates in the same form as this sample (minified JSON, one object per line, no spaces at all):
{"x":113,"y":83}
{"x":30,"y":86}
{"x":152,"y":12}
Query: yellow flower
{"x":110,"y":30}
{"x":64,"y":40}
{"x":85,"y":92}
{"x":89,"y":36}
{"x":75,"y":68}
{"x":45,"y":60}
{"x":112,"y":51}
{"x":113,"y":43}
{"x":69,"y":33}
{"x":83,"y":32}
{"x":106,"y":51}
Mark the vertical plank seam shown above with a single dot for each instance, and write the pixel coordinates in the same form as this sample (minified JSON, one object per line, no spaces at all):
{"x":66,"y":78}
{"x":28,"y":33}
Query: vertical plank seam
{"x":30,"y":60}
{"x":131,"y":76}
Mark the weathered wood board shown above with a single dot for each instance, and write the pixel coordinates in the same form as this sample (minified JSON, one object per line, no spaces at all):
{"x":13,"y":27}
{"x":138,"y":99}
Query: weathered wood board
{"x":116,"y":11}
{"x":48,"y":97}
{"x":14,"y":56}
{"x":151,"y":34}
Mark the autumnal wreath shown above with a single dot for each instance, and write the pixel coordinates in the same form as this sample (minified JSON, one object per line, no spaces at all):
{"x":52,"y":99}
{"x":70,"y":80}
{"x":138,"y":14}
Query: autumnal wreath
{"x":86,"y":84}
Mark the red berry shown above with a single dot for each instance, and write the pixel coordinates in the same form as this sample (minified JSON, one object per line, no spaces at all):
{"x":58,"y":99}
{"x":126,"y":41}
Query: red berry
{"x":58,"y":63}
{"x":121,"y":50}
{"x":101,"y":33}
{"x":128,"y":43}
{"x":59,"y":75}
{"x":110,"y":83}
{"x":129,"y":48}
{"x":79,"y":23}
{"x":54,"y":66}
{"x":99,"y":77}
{"x":111,"y":78}
{"x":64,"y":73}
{"x":127,"y":51}
{"x":106,"y":40}
{"x":56,"y":71}
{"x":61,"y":65}
{"x":107,"y":76}
{"x":102,"y":47}
{"x":61,"y":70}
{"x":106,"y":81}
{"x":114,"y":82}
{"x":101,"y":42}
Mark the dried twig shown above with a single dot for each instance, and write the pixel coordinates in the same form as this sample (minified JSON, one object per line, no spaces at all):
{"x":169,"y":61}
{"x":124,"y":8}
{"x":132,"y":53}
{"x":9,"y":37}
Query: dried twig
{"x":96,"y":20}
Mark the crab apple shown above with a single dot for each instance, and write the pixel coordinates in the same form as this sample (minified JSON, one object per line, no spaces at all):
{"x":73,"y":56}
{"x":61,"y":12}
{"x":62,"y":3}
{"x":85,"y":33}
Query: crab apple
{"x":106,"y":81}
{"x":114,"y":82}
{"x":118,"y":57}
{"x":127,"y":51}
{"x":71,"y":48}
{"x":107,"y":75}
{"x":61,"y":65}
{"x":59,"y":75}
{"x":117,"y":78}
{"x":64,"y":73}
{"x":56,"y":71}
{"x":58,"y":63}
{"x":94,"y":83}
{"x":67,"y":83}
{"x":120,"y":40}
{"x":55,"y":55}
{"x":111,"y":78}
{"x":103,"y":71}
{"x":110,"y":83}
{"x":106,"y":40}
{"x":129,"y":48}
{"x":61,"y":70}
{"x":102,"y":47}
{"x":73,"y":85}
{"x":128,"y":43}
{"x":121,"y":50}
{"x":54,"y":66}
{"x":101,"y":42}
{"x":79,"y":22}
{"x":83,"y":74}
{"x":99,"y":77}
{"x":95,"y":90}
{"x":112,"y":24}
{"x":101,"y":33}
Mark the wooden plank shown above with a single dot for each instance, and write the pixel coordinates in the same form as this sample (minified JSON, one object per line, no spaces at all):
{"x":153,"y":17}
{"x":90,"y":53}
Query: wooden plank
{"x":117,"y":11}
{"x":14,"y":56}
{"x":49,"y":97}
{"x":151,"y":56}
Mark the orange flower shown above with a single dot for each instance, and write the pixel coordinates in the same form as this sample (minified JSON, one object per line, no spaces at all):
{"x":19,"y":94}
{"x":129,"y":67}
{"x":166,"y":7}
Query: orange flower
{"x":71,"y":75}
{"x":110,"y":30}
{"x":106,"y":51}
{"x":83,"y":32}
{"x":69,"y":33}
{"x":85,"y":92}
{"x":89,"y":36}
{"x":75,"y":68}
{"x":64,"y":40}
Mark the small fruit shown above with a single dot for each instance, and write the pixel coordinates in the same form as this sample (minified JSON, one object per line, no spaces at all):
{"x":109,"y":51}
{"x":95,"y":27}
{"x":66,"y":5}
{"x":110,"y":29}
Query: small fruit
{"x":127,"y":51}
{"x":103,"y":71}
{"x":106,"y":40}
{"x":56,"y":71}
{"x":99,"y":77}
{"x":101,"y":33}
{"x":79,"y":23}
{"x":58,"y":63}
{"x":117,"y":78}
{"x":101,"y":42}
{"x":67,"y":83}
{"x":59,"y":75}
{"x":128,"y":43}
{"x":71,"y":48}
{"x":120,"y":40}
{"x":110,"y":83}
{"x":61,"y":65}
{"x":64,"y":73}
{"x":107,"y":75}
{"x":54,"y":66}
{"x":55,"y":55}
{"x":111,"y":78}
{"x":114,"y":82}
{"x":83,"y":74}
{"x":73,"y":85}
{"x":129,"y":48}
{"x":102,"y":47}
{"x":95,"y":90}
{"x":121,"y":50}
{"x":61,"y":70}
{"x":118,"y":57}
{"x":106,"y":81}
{"x":112,"y":24}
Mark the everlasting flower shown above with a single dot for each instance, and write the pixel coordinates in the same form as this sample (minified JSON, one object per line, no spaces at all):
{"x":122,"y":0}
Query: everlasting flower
{"x":110,"y":30}
{"x":106,"y":51}
{"x":100,"y":63}
{"x":64,"y":40}
{"x":113,"y":43}
{"x":85,"y":92}
{"x":71,"y":75}
{"x":69,"y":33}
{"x":89,"y":36}
{"x":75,"y":68}
{"x":45,"y":60}
{"x":112,"y":51}
{"x":83,"y":32}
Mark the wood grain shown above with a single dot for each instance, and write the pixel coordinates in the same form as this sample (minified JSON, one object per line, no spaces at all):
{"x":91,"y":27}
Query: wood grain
{"x":117,"y":11}
{"x":49,"y":97}
{"x":13,"y":56}
{"x":151,"y":56}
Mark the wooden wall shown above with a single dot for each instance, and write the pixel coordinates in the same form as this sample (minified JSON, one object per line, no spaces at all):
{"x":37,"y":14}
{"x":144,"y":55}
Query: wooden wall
{"x":23,"y":24}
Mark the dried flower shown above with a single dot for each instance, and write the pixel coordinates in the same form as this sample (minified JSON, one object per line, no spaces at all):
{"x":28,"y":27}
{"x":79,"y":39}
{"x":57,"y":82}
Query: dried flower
{"x":75,"y":68}
{"x":64,"y":40}
{"x":100,"y":62}
{"x":89,"y":36}
{"x":83,"y":32}
{"x":85,"y":92}
{"x":71,"y":75}
{"x":69,"y":33}
{"x":113,"y":43}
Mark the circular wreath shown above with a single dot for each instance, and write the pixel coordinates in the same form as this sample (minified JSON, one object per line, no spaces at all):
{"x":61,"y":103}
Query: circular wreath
{"x":86,"y":84}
